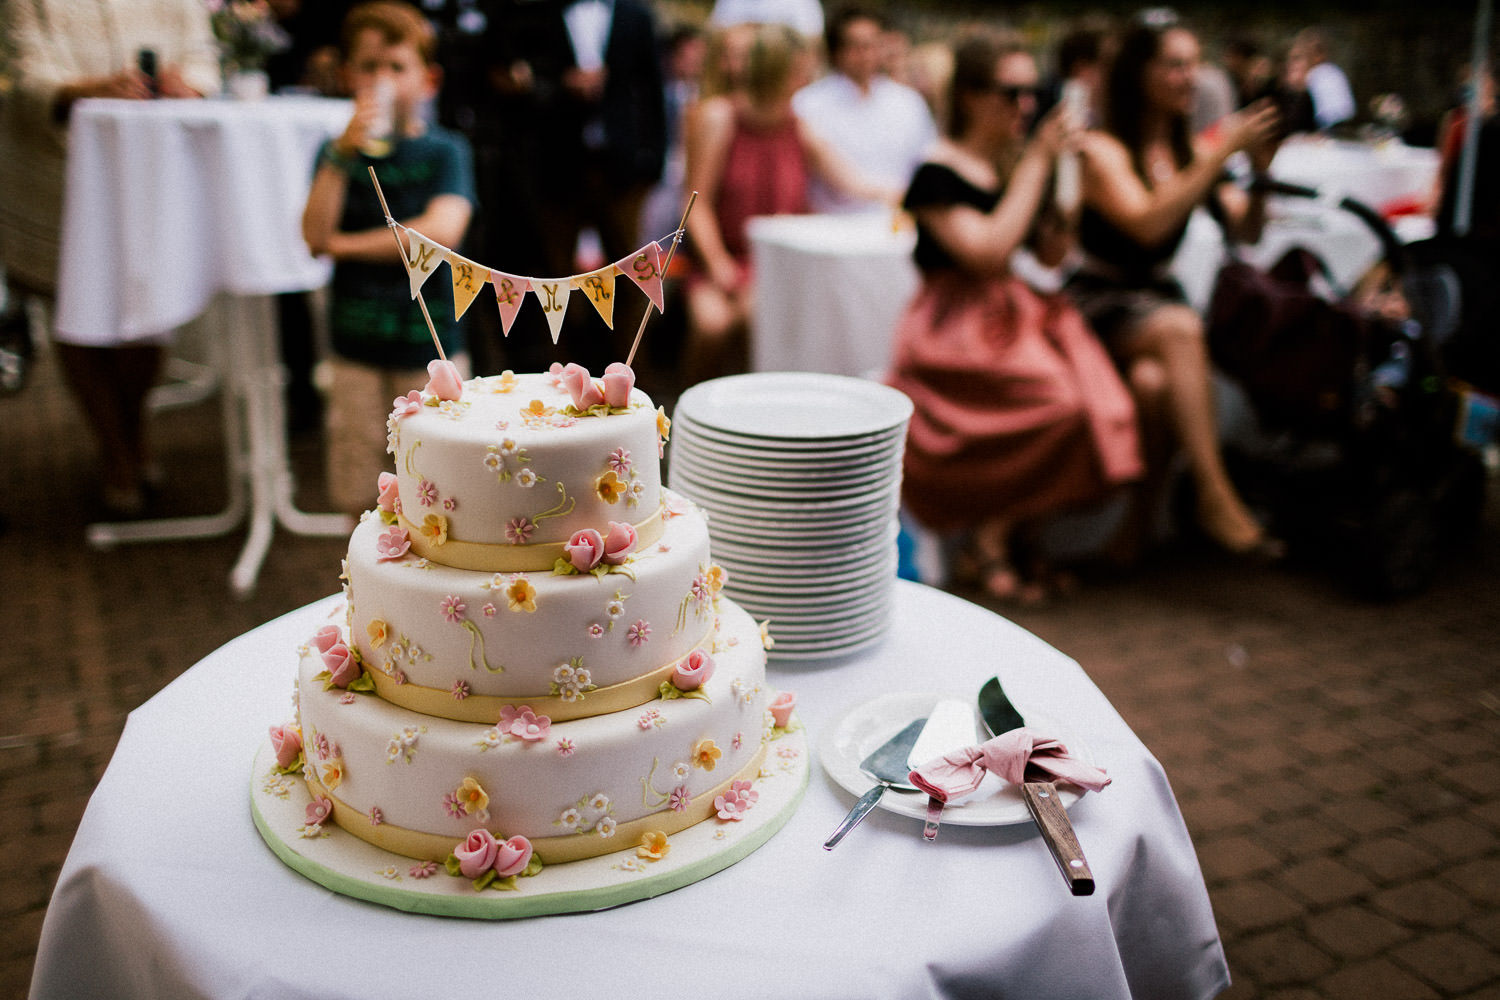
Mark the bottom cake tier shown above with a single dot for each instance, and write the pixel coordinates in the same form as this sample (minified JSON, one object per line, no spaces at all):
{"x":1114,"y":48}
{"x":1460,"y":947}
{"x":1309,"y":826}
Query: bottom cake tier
{"x":417,"y":785}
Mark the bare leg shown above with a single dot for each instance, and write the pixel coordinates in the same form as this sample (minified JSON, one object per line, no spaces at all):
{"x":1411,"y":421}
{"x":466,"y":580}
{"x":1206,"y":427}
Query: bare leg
{"x":1172,"y":337}
{"x":111,"y":384}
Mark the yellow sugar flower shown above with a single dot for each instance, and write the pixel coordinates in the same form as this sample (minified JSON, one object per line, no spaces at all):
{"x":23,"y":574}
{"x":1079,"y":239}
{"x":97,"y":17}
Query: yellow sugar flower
{"x":654,"y":846}
{"x":663,"y":423}
{"x":610,"y":488}
{"x":378,"y":631}
{"x":435,"y":529}
{"x":537,"y":409}
{"x":521,"y":594}
{"x":331,"y":773}
{"x":507,"y":381}
{"x":706,"y":755}
{"x":473,"y":798}
{"x":766,"y":641}
{"x":716,"y":579}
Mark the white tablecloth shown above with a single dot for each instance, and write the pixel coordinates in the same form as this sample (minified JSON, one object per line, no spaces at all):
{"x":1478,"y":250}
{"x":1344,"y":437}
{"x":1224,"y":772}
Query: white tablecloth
{"x":170,"y":202}
{"x":169,"y":891}
{"x":829,"y":290}
{"x":1380,"y":175}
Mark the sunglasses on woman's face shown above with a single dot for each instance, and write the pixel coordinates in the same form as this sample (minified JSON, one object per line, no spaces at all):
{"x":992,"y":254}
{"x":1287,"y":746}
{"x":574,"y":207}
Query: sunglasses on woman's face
{"x":1013,"y":92}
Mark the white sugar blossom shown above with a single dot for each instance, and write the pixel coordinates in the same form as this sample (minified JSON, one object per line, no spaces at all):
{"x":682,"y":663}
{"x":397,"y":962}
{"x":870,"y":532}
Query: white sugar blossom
{"x":570,"y":819}
{"x":681,"y":770}
{"x":599,"y":802}
{"x":393,"y":751}
{"x":582,"y":678}
{"x":563,"y":675}
{"x":492,"y":461}
{"x":496,"y":582}
{"x":508,"y":447}
{"x":526,"y":478}
{"x":606,"y":826}
{"x":615,"y":608}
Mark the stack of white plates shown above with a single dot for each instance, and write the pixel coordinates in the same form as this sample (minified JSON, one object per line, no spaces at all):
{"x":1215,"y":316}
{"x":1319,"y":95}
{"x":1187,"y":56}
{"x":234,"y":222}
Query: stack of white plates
{"x":800,"y":474}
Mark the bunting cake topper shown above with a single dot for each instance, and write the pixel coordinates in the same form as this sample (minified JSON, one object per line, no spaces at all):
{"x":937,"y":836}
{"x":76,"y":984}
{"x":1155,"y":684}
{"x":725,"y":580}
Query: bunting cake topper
{"x":645,"y":267}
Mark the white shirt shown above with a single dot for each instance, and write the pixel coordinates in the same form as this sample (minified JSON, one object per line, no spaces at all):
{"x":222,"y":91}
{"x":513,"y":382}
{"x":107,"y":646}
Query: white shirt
{"x":1332,"y":100}
{"x":804,"y":15}
{"x":588,"y":24}
{"x":883,"y":134}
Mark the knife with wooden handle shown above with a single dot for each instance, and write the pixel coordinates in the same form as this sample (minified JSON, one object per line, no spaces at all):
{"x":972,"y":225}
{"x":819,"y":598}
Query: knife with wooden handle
{"x":1000,"y":716}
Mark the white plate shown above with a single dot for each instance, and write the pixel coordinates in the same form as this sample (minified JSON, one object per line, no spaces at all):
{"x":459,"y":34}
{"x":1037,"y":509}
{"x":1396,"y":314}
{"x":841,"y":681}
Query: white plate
{"x":867,"y":726}
{"x":813,"y":451}
{"x":796,"y":405}
{"x":692,"y":450}
{"x":776,"y":491}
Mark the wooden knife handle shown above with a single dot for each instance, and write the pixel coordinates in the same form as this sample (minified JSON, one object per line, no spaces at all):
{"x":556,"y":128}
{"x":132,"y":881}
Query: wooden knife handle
{"x":1052,"y":820}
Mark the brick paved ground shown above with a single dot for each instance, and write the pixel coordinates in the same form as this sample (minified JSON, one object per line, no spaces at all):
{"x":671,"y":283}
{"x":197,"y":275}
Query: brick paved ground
{"x":1336,"y":761}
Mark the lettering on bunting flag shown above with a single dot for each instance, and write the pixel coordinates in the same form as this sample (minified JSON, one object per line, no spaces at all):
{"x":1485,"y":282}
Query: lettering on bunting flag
{"x":644,"y":267}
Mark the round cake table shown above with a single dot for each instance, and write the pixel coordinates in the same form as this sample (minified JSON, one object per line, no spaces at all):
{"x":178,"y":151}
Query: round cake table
{"x":168,"y":890}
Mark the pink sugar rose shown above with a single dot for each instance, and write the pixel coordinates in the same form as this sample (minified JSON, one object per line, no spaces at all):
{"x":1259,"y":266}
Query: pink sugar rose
{"x":524,"y":724}
{"x":512,"y":857}
{"x":781,"y":708}
{"x":392,"y":544}
{"x":693,"y":671}
{"x":287,"y":743}
{"x":618,"y":381}
{"x":619,"y":543}
{"x":476,"y":855}
{"x":319,"y":810}
{"x":443,"y":380}
{"x":326,"y":638}
{"x":585,"y":549}
{"x":407,"y":405}
{"x":387,"y":487}
{"x":343,"y":668}
{"x":581,"y":387}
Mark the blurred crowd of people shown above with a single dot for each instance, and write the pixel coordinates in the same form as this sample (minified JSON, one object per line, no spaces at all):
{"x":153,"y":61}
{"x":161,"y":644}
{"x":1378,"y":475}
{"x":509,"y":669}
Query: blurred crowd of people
{"x":578,"y":128}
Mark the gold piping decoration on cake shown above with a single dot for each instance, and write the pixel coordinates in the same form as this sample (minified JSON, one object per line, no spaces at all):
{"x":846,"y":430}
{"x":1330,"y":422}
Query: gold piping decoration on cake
{"x":486,"y":707}
{"x":491,"y":557}
{"x":553,"y":850}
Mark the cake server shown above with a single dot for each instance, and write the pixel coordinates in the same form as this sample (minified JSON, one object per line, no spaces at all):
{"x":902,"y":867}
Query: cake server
{"x":950,"y":726}
{"x":887,"y":765}
{"x":1000,"y":716}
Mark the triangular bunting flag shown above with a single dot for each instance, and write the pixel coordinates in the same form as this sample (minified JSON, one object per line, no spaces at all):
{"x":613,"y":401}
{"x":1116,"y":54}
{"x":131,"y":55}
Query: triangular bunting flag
{"x":645,"y":270}
{"x":421,"y":259}
{"x":468,"y":279}
{"x":510,"y":292}
{"x":599,"y":287}
{"x":553,"y":295}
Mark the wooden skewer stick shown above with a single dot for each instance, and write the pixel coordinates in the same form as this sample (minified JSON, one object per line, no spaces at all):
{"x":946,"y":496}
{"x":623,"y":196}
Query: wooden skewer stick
{"x":676,"y":239}
{"x":402,"y":251}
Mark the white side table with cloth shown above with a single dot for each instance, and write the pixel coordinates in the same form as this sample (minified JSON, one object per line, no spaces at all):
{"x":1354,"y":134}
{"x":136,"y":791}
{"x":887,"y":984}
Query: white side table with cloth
{"x":169,"y":891}
{"x":829,"y":291}
{"x":168,"y":205}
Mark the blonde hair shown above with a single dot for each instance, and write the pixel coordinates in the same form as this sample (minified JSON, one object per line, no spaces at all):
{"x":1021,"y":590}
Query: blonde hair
{"x":774,"y":54}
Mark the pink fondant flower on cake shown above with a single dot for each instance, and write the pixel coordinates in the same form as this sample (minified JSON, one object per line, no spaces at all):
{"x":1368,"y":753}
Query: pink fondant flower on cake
{"x":595,"y":631}
{"x":512,"y":856}
{"x":706,"y":754}
{"x":524,"y":724}
{"x":619,"y":543}
{"x":556,"y":372}
{"x":407,"y":405}
{"x":324,"y":638}
{"x":460,"y":689}
{"x":453,"y":807}
{"x":619,"y":460}
{"x":287,"y":743}
{"x":654,"y":846}
{"x":618,"y":381}
{"x":450,"y":504}
{"x":584,"y":391}
{"x":392,"y":545}
{"x":427,"y":492}
{"x":566,"y":748}
{"x":476,"y":855}
{"x":489,"y":610}
{"x":423,"y":869}
{"x":733,"y":804}
{"x":319,"y":810}
{"x":518,"y":531}
{"x":443,"y":380}
{"x":453,"y":608}
{"x":343,"y":668}
{"x":693,"y":671}
{"x":781,"y":708}
{"x":585,"y":549}
{"x":387,"y":486}
{"x":639,"y":633}
{"x":679,"y":799}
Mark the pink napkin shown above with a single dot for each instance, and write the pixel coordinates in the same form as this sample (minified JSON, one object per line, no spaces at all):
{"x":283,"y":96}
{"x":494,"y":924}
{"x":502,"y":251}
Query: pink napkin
{"x":1015,"y":756}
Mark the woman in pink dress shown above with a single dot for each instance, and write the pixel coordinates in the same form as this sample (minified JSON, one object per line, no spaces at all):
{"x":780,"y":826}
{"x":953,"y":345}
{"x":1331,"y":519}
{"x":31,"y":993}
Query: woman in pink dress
{"x":1019,"y":412}
{"x":748,"y":154}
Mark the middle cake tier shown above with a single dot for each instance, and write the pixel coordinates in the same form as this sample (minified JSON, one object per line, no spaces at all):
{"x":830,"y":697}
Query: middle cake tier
{"x":461,"y":644}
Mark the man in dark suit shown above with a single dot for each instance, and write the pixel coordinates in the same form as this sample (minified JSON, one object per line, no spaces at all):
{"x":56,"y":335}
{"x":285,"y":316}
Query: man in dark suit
{"x":584,"y":89}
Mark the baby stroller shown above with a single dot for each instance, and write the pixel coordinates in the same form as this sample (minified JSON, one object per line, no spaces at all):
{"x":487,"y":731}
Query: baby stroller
{"x":1353,"y":453}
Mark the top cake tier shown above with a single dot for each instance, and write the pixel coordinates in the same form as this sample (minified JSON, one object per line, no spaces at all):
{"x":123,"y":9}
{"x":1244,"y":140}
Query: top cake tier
{"x":499,"y":479}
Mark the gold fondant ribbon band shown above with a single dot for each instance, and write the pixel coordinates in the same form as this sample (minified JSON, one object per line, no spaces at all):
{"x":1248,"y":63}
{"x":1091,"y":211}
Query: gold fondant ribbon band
{"x":490,"y":557}
{"x":552,"y":850}
{"x":486,"y":707}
